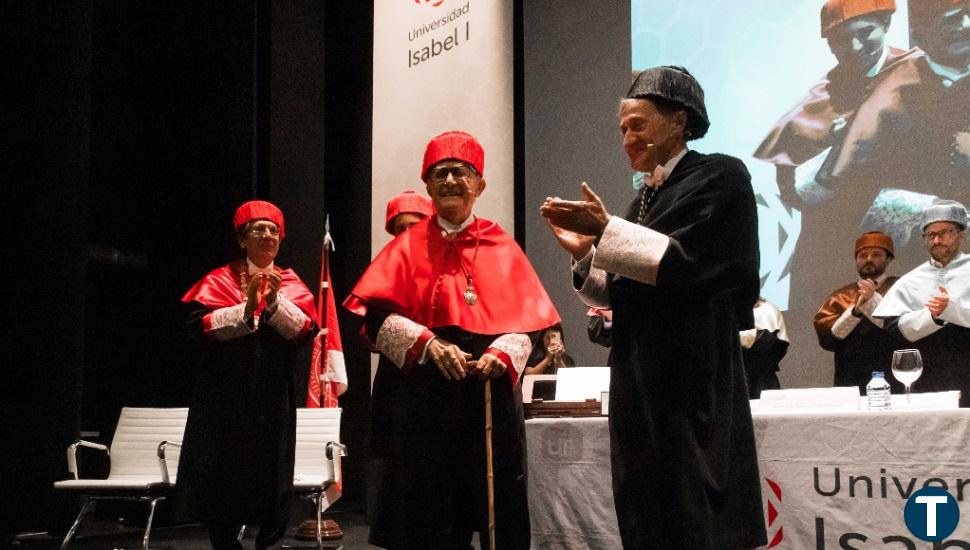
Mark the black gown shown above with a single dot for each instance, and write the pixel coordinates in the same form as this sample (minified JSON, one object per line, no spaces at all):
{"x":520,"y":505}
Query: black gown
{"x":236,"y":466}
{"x":432,"y":492}
{"x":685,"y":470}
{"x":761,"y":362}
{"x":945,"y":363}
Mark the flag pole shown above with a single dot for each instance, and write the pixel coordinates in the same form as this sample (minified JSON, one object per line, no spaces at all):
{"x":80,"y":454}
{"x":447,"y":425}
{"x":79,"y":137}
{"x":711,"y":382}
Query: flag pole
{"x":318,"y":528}
{"x":324,"y":274}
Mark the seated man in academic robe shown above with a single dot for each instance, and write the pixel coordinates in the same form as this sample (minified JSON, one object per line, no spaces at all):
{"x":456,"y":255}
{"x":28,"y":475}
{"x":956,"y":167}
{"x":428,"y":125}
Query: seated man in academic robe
{"x":930,"y":305}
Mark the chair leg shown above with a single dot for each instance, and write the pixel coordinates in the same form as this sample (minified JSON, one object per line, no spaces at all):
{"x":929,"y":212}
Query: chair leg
{"x":148,"y":526}
{"x":319,"y":528}
{"x":320,"y":544}
{"x":77,"y":523}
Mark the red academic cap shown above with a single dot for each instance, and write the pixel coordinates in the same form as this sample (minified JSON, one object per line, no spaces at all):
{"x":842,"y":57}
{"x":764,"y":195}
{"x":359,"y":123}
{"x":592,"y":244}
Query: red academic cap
{"x":407,"y":201}
{"x":258,"y":210}
{"x":836,"y":12}
{"x":456,"y":145}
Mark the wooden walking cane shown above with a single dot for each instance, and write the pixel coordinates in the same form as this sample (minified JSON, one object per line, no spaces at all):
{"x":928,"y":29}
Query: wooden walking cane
{"x":489,"y":474}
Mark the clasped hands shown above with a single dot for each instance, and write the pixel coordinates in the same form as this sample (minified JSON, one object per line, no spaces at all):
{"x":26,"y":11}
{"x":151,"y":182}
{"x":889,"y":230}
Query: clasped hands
{"x":576,"y":224}
{"x":938,"y":303}
{"x":262,"y":286}
{"x":455,"y":364}
{"x":867,"y":288}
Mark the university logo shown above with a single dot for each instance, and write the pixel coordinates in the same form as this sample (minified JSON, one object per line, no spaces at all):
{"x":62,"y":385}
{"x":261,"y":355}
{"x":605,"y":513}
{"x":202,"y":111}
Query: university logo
{"x":931,"y":514}
{"x":434,"y":3}
{"x":776,"y":532}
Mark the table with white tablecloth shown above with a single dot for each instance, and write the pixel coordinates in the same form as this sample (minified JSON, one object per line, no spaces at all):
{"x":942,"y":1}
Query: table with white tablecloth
{"x":829,"y":480}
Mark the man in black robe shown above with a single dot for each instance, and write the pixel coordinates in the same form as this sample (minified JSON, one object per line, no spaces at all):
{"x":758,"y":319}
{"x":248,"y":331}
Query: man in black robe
{"x":250,"y":318}
{"x":681,"y":274}
{"x":763,"y":347}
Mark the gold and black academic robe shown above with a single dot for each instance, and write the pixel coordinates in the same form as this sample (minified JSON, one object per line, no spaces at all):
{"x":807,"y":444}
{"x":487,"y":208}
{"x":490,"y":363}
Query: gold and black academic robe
{"x":867,"y":348}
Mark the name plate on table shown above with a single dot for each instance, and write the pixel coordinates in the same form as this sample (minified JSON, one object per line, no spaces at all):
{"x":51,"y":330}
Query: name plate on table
{"x":571,"y":392}
{"x":840,"y":399}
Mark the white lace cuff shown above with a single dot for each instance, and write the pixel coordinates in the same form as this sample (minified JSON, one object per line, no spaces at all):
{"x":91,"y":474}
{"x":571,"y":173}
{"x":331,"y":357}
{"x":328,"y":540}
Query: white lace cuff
{"x":517,"y":347}
{"x":396,"y":336}
{"x":228,"y":322}
{"x":594,"y":290}
{"x":288,"y":320}
{"x":845,"y":324}
{"x":631,"y":250}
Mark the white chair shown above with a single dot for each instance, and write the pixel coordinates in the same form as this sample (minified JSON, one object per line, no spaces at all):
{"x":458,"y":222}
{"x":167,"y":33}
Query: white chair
{"x":144,"y":458}
{"x":316,"y":473}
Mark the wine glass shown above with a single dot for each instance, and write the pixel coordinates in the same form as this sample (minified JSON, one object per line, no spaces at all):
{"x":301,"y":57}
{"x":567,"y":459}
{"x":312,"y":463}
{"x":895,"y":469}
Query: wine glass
{"x":907,"y":366}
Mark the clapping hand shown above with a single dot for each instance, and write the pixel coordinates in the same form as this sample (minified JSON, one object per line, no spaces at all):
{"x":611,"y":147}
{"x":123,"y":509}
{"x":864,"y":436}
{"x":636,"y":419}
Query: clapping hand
{"x":576,"y":224}
{"x":938,"y":303}
{"x":254,"y":293}
{"x":273,"y":281}
{"x":866,"y":289}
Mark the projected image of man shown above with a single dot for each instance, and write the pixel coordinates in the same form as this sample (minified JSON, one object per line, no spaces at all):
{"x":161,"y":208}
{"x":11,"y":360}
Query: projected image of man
{"x":822,"y":169}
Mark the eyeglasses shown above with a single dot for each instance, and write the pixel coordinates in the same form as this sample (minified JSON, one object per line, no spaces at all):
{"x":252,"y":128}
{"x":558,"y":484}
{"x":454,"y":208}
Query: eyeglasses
{"x":460,"y":173}
{"x":944,"y":234}
{"x":269,"y":229}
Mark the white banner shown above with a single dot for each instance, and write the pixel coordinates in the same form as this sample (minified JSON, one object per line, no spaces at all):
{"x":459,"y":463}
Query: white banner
{"x":441,"y":65}
{"x":834,"y":481}
{"x":841,"y":481}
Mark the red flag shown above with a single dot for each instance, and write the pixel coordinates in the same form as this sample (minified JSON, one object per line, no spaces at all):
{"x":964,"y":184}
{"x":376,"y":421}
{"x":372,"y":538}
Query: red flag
{"x":328,"y":373}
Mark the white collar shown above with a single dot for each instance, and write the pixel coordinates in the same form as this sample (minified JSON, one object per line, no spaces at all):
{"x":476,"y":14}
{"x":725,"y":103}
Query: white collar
{"x":253,"y":268}
{"x":878,"y":66}
{"x":938,"y":265}
{"x":669,"y":166}
{"x":448,"y":228}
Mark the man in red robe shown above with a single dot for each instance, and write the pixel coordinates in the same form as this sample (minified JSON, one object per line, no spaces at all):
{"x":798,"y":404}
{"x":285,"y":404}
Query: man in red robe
{"x":451,"y":302}
{"x":250,"y":318}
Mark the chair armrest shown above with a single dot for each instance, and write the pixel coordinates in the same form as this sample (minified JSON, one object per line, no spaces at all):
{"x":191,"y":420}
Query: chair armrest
{"x":341,"y":450}
{"x":340,"y":447}
{"x":72,"y":454}
{"x":162,"y":463}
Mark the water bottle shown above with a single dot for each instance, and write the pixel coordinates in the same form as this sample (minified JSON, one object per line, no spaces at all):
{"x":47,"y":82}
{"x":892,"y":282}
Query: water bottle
{"x":878,"y":393}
